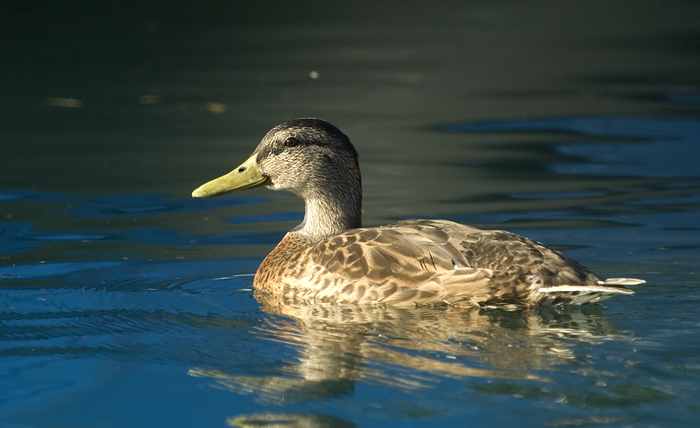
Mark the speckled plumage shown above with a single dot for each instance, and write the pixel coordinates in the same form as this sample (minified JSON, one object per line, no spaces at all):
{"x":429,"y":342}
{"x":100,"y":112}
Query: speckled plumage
{"x":329,"y":257}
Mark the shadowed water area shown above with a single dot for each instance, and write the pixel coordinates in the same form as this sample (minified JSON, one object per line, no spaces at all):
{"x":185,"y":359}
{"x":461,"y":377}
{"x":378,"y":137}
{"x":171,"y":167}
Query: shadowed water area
{"x":125,"y":302}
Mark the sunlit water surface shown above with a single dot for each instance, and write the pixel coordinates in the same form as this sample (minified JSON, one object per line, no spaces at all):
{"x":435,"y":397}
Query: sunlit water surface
{"x":124,"y":302}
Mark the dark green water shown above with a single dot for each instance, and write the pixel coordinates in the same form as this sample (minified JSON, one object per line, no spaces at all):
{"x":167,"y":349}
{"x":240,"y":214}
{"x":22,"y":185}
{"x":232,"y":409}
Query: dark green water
{"x":124,"y":302}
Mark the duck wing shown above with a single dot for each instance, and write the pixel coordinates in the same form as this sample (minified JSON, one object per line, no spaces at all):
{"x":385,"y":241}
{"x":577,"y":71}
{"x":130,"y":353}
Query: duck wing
{"x":427,"y":262}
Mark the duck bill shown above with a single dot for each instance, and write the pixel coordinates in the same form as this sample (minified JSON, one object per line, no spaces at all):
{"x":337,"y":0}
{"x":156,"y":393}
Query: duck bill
{"x":246,"y":176}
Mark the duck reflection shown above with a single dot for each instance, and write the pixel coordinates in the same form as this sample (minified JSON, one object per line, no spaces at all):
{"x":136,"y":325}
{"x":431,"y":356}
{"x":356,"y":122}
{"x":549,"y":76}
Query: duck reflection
{"x":339,"y":345}
{"x":289,"y":420}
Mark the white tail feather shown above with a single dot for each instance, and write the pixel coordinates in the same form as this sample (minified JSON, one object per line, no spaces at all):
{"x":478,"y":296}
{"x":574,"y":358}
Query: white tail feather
{"x":585,"y":289}
{"x":579,"y":294}
{"x":622,"y":281}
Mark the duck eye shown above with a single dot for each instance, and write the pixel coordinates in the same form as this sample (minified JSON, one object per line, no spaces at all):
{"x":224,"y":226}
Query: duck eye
{"x":291,"y":142}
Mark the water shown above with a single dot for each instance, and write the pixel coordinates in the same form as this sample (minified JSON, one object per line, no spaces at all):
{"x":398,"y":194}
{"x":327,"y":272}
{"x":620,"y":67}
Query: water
{"x":124,"y":302}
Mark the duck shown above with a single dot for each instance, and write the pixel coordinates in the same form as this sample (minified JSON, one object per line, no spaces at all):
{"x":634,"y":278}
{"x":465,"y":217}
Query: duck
{"x":331,"y":258}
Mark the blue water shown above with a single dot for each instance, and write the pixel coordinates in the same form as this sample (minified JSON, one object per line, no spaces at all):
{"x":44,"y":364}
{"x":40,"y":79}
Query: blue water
{"x":124,"y":302}
{"x":103,"y":335}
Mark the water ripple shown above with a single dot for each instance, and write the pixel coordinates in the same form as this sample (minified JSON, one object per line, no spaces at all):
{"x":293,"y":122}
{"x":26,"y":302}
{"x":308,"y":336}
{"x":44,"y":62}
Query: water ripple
{"x":142,"y":205}
{"x":668,"y":147}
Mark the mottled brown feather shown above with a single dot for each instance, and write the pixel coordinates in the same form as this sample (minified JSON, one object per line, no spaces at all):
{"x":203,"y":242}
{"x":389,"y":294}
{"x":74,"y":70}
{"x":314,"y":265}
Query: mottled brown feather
{"x":421,"y":262}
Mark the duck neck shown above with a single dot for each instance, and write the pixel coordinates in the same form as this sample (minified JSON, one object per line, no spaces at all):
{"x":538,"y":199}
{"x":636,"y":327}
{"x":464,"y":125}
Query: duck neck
{"x":327,"y":215}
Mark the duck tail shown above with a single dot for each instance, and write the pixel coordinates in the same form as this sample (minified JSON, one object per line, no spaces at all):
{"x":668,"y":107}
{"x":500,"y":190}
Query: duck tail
{"x":622,"y":281}
{"x":587,"y":293}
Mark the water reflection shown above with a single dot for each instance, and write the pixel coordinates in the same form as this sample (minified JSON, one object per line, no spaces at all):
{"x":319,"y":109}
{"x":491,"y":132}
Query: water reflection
{"x":339,"y":345}
{"x":289,"y":420}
